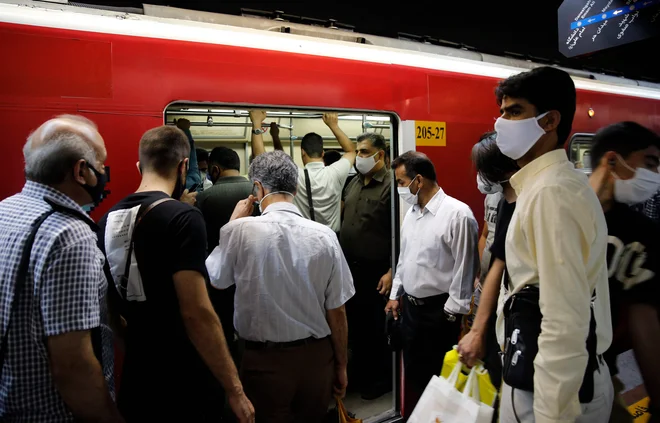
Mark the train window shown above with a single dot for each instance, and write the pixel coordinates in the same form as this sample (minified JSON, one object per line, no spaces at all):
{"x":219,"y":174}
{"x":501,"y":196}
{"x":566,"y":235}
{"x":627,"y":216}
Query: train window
{"x":579,"y":151}
{"x":215,"y":125}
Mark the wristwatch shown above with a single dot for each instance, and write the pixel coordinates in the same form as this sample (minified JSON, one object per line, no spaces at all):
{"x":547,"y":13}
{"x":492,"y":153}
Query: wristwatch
{"x":258,"y":131}
{"x":450,"y":317}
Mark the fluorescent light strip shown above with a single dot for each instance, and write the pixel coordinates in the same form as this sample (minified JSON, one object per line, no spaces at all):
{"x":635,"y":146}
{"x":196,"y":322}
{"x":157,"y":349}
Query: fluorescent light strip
{"x":174,"y":29}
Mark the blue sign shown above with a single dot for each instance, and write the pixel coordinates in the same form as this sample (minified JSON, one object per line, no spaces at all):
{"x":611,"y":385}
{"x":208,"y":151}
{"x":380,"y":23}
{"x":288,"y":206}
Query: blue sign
{"x":586,"y":26}
{"x":616,"y":13}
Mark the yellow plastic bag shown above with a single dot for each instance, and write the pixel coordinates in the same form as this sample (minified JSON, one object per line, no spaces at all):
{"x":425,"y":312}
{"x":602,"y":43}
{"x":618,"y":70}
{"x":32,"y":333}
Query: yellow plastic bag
{"x":487,"y":392}
{"x":343,"y":414}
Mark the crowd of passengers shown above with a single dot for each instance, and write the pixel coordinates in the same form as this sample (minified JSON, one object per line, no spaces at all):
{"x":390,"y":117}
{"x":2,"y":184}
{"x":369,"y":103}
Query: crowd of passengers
{"x":235,"y":298}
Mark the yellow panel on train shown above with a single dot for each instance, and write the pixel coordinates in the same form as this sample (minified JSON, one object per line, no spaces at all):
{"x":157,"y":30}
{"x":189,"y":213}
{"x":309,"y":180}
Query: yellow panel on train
{"x":430,"y":134}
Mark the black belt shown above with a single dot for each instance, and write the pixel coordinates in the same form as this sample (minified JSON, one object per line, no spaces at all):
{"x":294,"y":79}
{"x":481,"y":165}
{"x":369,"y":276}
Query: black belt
{"x":269,"y":345}
{"x":427,"y":301}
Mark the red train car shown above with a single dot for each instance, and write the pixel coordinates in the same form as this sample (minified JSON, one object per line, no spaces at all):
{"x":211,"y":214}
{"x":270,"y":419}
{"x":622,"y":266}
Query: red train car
{"x":123,"y":70}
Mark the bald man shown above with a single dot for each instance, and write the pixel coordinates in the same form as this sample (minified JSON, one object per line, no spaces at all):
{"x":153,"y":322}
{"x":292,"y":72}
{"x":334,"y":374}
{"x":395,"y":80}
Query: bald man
{"x":56,"y":357}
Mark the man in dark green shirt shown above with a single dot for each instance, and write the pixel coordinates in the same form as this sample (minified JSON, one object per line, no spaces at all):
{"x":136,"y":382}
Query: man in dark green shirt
{"x":217,"y":204}
{"x":365,"y":238}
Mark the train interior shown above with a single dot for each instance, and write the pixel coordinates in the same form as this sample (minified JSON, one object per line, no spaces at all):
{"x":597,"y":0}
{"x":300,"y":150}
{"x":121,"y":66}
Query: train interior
{"x":215,"y":125}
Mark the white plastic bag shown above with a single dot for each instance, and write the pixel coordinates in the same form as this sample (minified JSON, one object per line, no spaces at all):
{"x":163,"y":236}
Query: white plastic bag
{"x":442,"y":401}
{"x":471,"y":390}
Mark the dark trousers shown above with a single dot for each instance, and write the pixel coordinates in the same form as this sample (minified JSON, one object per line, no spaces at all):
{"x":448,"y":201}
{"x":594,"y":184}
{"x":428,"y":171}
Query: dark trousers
{"x":371,"y":358}
{"x":289,"y":385}
{"x":492,"y":360}
{"x":427,"y":336}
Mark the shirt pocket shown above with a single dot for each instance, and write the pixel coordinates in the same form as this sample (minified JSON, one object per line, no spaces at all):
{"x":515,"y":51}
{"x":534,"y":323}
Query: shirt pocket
{"x":368,"y":210}
{"x":428,"y":249}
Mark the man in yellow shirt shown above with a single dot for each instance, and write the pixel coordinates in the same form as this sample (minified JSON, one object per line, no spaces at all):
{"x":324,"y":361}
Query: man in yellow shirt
{"x":556,"y":248}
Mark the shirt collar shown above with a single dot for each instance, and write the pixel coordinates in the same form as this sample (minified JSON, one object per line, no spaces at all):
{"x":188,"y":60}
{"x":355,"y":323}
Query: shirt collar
{"x":230,"y":179}
{"x":282,"y":206}
{"x":42,"y":192}
{"x":378,"y":176}
{"x":535,"y":167}
{"x":315,"y":165}
{"x":434,"y":205}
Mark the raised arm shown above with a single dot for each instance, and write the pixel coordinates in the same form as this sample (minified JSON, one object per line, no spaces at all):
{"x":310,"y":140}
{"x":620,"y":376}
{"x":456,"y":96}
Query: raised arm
{"x":275,"y":133}
{"x":257,"y":118}
{"x":332,"y":121}
{"x":193,"y":177}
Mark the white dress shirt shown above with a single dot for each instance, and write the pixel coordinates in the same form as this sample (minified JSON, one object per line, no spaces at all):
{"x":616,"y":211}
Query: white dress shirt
{"x":327,"y":184}
{"x":557,"y":239}
{"x":288,"y":272}
{"x":438,"y":253}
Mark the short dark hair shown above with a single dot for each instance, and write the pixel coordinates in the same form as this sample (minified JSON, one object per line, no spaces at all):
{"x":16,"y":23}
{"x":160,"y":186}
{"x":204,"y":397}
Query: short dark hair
{"x":225,"y":158}
{"x":376,"y":140}
{"x":312,"y":144}
{"x":546,"y":88}
{"x":331,"y":157}
{"x":202,"y":155}
{"x":416,"y":163}
{"x":624,"y":138}
{"x":162,"y":149}
{"x":489,"y":161}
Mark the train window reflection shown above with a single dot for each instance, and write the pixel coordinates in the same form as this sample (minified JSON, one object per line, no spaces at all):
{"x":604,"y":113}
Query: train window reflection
{"x":373,"y":390}
{"x":579,"y":151}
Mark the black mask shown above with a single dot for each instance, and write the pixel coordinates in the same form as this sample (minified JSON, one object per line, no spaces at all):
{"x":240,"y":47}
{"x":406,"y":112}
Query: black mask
{"x":179,"y":187}
{"x":96,"y":191}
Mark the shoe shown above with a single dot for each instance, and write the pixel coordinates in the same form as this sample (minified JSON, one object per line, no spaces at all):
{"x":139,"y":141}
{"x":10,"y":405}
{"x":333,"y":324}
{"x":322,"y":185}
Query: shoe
{"x":375,"y":391}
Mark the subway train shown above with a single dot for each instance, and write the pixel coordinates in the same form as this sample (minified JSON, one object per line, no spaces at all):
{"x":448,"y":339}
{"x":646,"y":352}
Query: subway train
{"x":132,"y":69}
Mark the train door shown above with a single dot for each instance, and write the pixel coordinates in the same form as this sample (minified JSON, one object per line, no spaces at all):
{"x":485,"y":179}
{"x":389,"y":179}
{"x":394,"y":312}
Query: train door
{"x":579,"y":152}
{"x":220,"y":125}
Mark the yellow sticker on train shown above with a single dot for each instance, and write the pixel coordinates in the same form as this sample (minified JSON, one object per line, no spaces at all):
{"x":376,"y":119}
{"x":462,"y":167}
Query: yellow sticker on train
{"x":640,"y":411}
{"x":430,"y":134}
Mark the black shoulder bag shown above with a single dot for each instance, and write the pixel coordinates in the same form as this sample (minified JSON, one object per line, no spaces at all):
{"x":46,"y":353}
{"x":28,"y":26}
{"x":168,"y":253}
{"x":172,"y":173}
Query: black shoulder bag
{"x":308,"y":187}
{"x":522,"y":327}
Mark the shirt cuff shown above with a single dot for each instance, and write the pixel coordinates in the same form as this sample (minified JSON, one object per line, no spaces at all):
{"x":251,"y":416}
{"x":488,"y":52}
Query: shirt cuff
{"x":454,"y":307}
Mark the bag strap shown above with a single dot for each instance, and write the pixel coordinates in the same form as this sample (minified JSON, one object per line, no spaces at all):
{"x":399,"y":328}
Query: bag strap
{"x":21,"y":276}
{"x":123,"y":284}
{"x":308,"y":186}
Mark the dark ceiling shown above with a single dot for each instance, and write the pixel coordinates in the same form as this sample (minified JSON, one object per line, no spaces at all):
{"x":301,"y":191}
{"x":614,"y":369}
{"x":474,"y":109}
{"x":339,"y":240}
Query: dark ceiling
{"x":527,"y":28}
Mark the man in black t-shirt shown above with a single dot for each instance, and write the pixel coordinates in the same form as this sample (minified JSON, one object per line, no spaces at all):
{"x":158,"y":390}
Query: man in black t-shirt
{"x":481,"y":343}
{"x":175,"y":349}
{"x":626,"y":156}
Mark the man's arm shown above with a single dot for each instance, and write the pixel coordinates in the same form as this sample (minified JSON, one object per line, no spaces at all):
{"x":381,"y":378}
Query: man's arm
{"x":193,"y":177}
{"x":339,"y":335}
{"x":644,"y":326}
{"x":482,"y":240}
{"x":205,"y":332}
{"x":332,"y":121}
{"x":464,"y":249}
{"x":257,"y":118}
{"x":79,"y":378}
{"x":557,"y":233}
{"x":275,"y":134}
{"x":471,"y":346}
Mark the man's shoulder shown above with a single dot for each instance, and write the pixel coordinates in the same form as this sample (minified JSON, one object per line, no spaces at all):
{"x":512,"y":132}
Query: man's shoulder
{"x":458,"y":209}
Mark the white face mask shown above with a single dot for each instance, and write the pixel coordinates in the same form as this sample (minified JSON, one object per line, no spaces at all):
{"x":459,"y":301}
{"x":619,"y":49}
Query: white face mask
{"x":365,"y":164}
{"x":516,"y":137}
{"x":407,"y":195}
{"x":255,"y":190}
{"x":487,"y":187}
{"x":637,"y":189}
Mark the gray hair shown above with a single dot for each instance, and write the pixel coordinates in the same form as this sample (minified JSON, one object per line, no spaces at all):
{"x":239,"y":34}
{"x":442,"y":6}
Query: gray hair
{"x":62,"y":147}
{"x":276,"y":171}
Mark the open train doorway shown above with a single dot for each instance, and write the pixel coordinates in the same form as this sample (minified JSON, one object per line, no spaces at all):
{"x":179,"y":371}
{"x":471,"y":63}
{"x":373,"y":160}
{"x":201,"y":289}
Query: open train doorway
{"x":219,"y":125}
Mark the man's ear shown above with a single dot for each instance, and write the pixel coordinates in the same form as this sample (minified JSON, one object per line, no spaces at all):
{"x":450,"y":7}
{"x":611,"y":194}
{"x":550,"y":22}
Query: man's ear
{"x":79,"y":171}
{"x":139,"y":168}
{"x":551,"y":121}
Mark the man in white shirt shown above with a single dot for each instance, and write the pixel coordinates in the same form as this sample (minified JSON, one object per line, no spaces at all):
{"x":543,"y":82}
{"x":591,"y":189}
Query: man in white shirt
{"x":557,"y":241}
{"x":324,"y":183}
{"x":292,"y":282}
{"x":435,"y":274}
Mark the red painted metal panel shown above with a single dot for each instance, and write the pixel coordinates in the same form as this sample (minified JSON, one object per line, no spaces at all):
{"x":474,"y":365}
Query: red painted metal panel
{"x":147,"y":74}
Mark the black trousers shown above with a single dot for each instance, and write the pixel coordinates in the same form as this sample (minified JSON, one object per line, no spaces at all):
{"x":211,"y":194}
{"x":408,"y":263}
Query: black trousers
{"x":427,"y":336}
{"x":492,"y":360}
{"x":371,"y":357}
